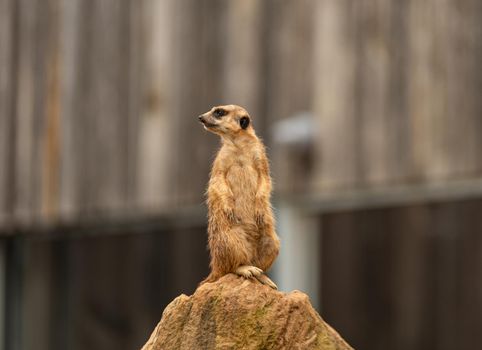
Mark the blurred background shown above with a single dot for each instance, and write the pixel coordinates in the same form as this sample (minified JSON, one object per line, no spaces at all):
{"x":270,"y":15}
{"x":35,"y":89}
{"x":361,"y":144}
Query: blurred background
{"x":372,"y":115}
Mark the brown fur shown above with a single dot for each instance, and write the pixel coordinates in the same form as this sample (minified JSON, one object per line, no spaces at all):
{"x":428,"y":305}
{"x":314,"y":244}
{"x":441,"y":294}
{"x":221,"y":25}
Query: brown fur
{"x":241,"y":230}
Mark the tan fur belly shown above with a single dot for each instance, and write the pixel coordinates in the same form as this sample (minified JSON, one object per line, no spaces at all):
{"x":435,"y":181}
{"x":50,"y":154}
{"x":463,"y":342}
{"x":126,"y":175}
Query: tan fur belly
{"x":243,"y":183}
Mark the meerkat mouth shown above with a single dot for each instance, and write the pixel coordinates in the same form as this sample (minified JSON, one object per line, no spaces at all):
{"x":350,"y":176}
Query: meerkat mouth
{"x":208,"y":125}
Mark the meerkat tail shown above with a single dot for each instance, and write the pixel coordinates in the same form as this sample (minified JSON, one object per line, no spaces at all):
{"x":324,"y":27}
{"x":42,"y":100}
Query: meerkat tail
{"x":211,"y":278}
{"x":267,"y":281}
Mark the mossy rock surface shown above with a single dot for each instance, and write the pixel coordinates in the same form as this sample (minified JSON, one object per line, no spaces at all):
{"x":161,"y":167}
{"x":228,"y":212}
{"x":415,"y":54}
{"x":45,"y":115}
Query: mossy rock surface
{"x":235,"y":313}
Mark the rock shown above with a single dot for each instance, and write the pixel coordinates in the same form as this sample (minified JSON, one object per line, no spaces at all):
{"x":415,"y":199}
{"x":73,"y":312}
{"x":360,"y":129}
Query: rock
{"x":235,"y":313}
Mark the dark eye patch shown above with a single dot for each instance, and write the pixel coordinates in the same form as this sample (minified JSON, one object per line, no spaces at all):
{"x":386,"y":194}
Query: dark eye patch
{"x":219,"y":112}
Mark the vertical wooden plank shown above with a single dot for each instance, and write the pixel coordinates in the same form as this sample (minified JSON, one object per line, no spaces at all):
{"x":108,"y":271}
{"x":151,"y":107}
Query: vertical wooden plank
{"x":242,"y":59}
{"x":196,"y":88}
{"x":7,"y":88}
{"x":398,"y":122}
{"x":127,"y":101}
{"x":156,"y":119}
{"x":37,"y":297}
{"x":448,"y":151}
{"x":372,"y":89}
{"x":461,"y":142}
{"x":71,"y":169}
{"x":409,"y":228}
{"x":35,"y":24}
{"x":287,"y":86}
{"x":427,"y":89}
{"x":289,"y":55}
{"x":103,"y":324}
{"x":475,"y":38}
{"x":3,"y":290}
{"x":135,"y":34}
{"x":25,"y":102}
{"x":141,"y":253}
{"x":96,"y":108}
{"x":341,"y":274}
{"x":447,"y":227}
{"x":375,"y":250}
{"x":40,"y":52}
{"x":30,"y":109}
{"x":468,"y":294}
{"x":107,"y":98}
{"x":15,"y":290}
{"x":50,"y":141}
{"x":334,"y":78}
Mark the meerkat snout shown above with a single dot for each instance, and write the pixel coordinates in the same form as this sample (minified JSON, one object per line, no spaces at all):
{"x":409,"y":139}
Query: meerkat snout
{"x":206,"y":123}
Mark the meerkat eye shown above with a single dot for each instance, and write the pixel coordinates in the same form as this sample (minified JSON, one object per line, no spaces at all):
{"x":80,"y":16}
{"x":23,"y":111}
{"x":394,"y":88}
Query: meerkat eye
{"x":219,"y":112}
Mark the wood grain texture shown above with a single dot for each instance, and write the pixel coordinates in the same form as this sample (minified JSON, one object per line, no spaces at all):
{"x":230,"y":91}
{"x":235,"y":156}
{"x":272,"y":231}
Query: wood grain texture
{"x":25,"y":99}
{"x":406,"y":274}
{"x":288,"y":58}
{"x":151,"y":59}
{"x":7,"y":66}
{"x":99,"y":99}
{"x":394,"y":98}
{"x":199,"y":86}
{"x":50,"y":139}
{"x":334,"y":74}
{"x":242,"y":66}
{"x":288,"y":86}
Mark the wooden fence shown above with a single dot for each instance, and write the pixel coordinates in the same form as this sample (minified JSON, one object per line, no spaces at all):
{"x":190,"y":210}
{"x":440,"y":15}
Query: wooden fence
{"x":98,"y":98}
{"x":98,"y":128}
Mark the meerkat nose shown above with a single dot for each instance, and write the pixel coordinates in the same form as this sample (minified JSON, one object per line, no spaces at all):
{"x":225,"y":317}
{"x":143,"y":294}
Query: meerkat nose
{"x":200,"y":118}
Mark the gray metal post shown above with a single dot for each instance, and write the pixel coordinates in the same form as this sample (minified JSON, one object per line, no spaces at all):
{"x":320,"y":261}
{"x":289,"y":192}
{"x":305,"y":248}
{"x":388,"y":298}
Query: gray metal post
{"x":298,"y":265}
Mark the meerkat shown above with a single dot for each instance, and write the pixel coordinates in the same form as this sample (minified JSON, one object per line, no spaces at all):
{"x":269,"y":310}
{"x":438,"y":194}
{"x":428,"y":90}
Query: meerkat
{"x":241,"y":226}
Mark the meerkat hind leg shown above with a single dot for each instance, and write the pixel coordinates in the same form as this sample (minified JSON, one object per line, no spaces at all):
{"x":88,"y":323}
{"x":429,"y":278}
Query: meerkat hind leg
{"x":248,"y":271}
{"x":267,"y":281}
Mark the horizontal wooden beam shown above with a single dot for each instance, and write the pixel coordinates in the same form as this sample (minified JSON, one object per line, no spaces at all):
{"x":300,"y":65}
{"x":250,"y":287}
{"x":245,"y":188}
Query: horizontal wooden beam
{"x":386,"y":196}
{"x":105,"y":224}
{"x":313,"y":204}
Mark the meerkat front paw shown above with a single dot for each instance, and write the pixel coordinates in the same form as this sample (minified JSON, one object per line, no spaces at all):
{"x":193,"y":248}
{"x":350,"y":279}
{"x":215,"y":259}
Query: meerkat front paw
{"x":232,"y":216}
{"x":259,"y":212}
{"x":259,"y":218}
{"x":248,"y":271}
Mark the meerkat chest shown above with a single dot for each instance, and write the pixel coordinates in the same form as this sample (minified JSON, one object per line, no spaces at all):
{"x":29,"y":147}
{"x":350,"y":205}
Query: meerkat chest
{"x":242,"y":177}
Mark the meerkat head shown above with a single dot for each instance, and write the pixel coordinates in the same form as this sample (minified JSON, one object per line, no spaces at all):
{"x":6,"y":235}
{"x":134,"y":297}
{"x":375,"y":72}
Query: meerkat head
{"x":227,"y":121}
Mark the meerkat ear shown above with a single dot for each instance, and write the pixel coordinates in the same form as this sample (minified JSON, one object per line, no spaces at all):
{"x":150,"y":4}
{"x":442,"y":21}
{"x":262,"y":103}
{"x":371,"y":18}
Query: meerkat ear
{"x":244,"y":122}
